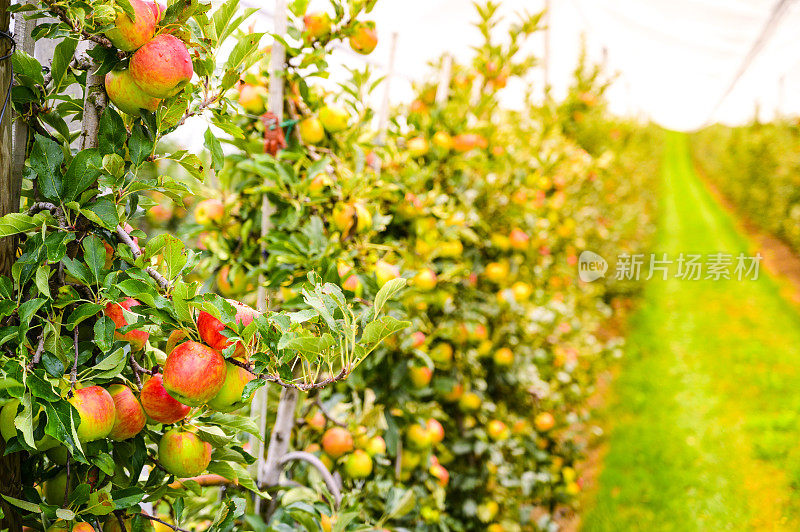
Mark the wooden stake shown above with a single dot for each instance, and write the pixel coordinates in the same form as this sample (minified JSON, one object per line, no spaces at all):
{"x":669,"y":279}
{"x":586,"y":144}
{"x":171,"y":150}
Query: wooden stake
{"x":443,"y":89}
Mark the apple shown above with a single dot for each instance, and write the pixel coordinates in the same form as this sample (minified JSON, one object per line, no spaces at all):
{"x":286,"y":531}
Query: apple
{"x":436,"y":430}
{"x":469,"y":402}
{"x":311,"y":130}
{"x":157,"y":8}
{"x":544,"y":421}
{"x":326,"y":523}
{"x":465,"y":142}
{"x":229,"y":397}
{"x":126,"y":95}
{"x":375,"y":446}
{"x":194,"y":373}
{"x":518,"y":239}
{"x":176,"y":337}
{"x":159,"y":405}
{"x":129,"y":415}
{"x":127,"y":34}
{"x":439,"y":472}
{"x":522,"y":291}
{"x":209,"y":212}
{"x":137,"y":338}
{"x":503,"y":357}
{"x":317,"y":25}
{"x":183,"y":454}
{"x":97,"y":412}
{"x":425,"y":279}
{"x":443,"y":140}
{"x":409,"y":460}
{"x":334,"y":118}
{"x":497,"y":430}
{"x":353,"y":284}
{"x":358,"y":464}
{"x":364,"y":38}
{"x":210,"y":328}
{"x":454,"y":394}
{"x":55,"y":489}
{"x":64,"y":526}
{"x":417,"y":339}
{"x":317,"y":421}
{"x":7,"y":415}
{"x":385,"y":272}
{"x":253,"y":98}
{"x":345,"y":215}
{"x":417,"y":147}
{"x":495,"y":527}
{"x":419,"y":437}
{"x":497,"y":271}
{"x":160,"y":213}
{"x":442,"y":353}
{"x":420,"y":376}
{"x":231,"y":285}
{"x":162,"y":67}
{"x":319,"y":182}
{"x":111,"y":524}
{"x":336,"y":442}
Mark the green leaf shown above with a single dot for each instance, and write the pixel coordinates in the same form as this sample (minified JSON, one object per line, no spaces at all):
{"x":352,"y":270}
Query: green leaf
{"x":112,"y":134}
{"x":62,"y":57}
{"x":27,"y":65}
{"x":42,"y":278}
{"x":172,"y":251}
{"x":387,"y":291}
{"x":82,"y":173}
{"x":381,"y":329}
{"x":140,"y":145}
{"x":25,"y":505}
{"x":399,"y":503}
{"x":103,"y":212}
{"x":112,"y":364}
{"x":247,"y":45}
{"x":24,"y":420}
{"x":215,"y":148}
{"x":83,"y":312}
{"x":127,"y":497}
{"x":17,"y":222}
{"x":45,"y":159}
{"x":309,"y":347}
{"x":94,"y":253}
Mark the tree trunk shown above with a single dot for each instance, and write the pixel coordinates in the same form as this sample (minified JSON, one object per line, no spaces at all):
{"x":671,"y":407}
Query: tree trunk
{"x":10,"y":476}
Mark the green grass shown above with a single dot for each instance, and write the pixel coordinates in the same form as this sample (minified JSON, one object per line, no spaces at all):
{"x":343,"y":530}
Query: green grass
{"x":705,"y":419}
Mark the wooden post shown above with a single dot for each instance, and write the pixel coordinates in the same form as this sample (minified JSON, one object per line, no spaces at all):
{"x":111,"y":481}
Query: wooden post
{"x":10,"y":474}
{"x":383,"y":116}
{"x":25,"y":43}
{"x":443,"y":89}
{"x":277,"y":445}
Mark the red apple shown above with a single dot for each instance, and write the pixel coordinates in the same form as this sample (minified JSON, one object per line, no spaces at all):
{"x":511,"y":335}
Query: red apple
{"x":497,"y":430}
{"x":127,"y":34}
{"x":127,"y":95}
{"x":229,"y":397}
{"x":518,"y":239}
{"x":436,"y":430}
{"x":162,"y":66}
{"x":210,"y":328}
{"x":337,"y":441}
{"x":97,"y":412}
{"x":364,"y":38}
{"x":159,"y":405}
{"x":63,"y":526}
{"x":317,"y":25}
{"x":253,"y":98}
{"x":137,"y":338}
{"x":157,"y":8}
{"x":183,"y":454}
{"x":130,"y":418}
{"x":209,"y":211}
{"x":194,"y":373}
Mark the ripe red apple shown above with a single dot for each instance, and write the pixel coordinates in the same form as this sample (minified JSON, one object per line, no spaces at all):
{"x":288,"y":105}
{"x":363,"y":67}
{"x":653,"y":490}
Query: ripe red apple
{"x":317,"y":421}
{"x":439,"y":472}
{"x":159,"y":405}
{"x":358,"y":464}
{"x":210,"y":328}
{"x":420,"y":376}
{"x":209,"y":211}
{"x":97,"y":412}
{"x":194,"y":373}
{"x":130,"y":418}
{"x":127,"y":34}
{"x":229,"y":397}
{"x":417,"y":339}
{"x":337,"y":441}
{"x":364,"y":38}
{"x":126,"y":95}
{"x":497,"y":430}
{"x":436,"y":430}
{"x":317,"y":25}
{"x":162,"y":67}
{"x":137,"y":338}
{"x":183,"y":454}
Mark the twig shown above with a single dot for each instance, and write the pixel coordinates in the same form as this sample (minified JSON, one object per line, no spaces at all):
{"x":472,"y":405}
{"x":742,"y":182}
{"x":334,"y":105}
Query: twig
{"x":317,"y":464}
{"x":205,"y":480}
{"x":61,"y":13}
{"x":121,"y":521}
{"x":37,"y":356}
{"x":303,"y":387}
{"x":156,"y":519}
{"x":123,"y":235}
{"x":327,"y":414}
{"x":73,"y":375}
{"x":202,"y":106}
{"x":54,"y":209}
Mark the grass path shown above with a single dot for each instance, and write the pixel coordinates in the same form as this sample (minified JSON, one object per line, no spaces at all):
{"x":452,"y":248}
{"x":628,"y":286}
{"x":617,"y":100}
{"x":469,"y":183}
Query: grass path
{"x":705,"y":419}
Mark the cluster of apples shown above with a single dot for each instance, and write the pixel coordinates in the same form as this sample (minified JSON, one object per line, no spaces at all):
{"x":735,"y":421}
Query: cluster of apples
{"x":363,"y":36}
{"x":331,"y":118}
{"x":418,"y":146}
{"x":160,"y":65}
{"x":355,"y":451}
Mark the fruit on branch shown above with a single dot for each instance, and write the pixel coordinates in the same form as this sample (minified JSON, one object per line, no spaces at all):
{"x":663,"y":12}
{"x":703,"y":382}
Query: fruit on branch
{"x":127,"y":34}
{"x":439,"y":472}
{"x":229,"y":397}
{"x":253,"y":98}
{"x":417,"y":339}
{"x":126,"y":95}
{"x":210,"y":328}
{"x":183,"y":454}
{"x":441,"y":139}
{"x":420,"y":376}
{"x":334,"y":118}
{"x":55,"y":488}
{"x":97,"y":412}
{"x":209,"y":212}
{"x":311,"y":130}
{"x":157,"y":8}
{"x":436,"y":430}
{"x":130,"y":418}
{"x":349,"y":215}
{"x":231,"y":285}
{"x":503,"y":357}
{"x":137,"y":338}
{"x":320,"y":181}
{"x":419,"y":437}
{"x":194,"y":373}
{"x":469,"y":402}
{"x":454,"y":394}
{"x":442,"y":353}
{"x":162,"y":67}
{"x":375,"y":446}
{"x":544,"y":421}
{"x":7,"y":415}
{"x":497,"y":430}
{"x":176,"y":337}
{"x":466,"y":142}
{"x":409,"y":460}
{"x":519,"y":239}
{"x":317,"y":421}
{"x":336,"y":442}
{"x":425,"y":279}
{"x":358,"y":464}
{"x":317,"y":25}
{"x":64,"y":526}
{"x":497,"y":271}
{"x":159,"y":405}
{"x":521,"y":290}
{"x":417,"y":146}
{"x":385,"y":272}
{"x":364,"y":38}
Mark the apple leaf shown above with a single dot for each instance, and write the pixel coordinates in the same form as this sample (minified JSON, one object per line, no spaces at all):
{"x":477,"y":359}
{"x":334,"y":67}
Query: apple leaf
{"x":380,"y":329}
{"x":387,"y":292}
